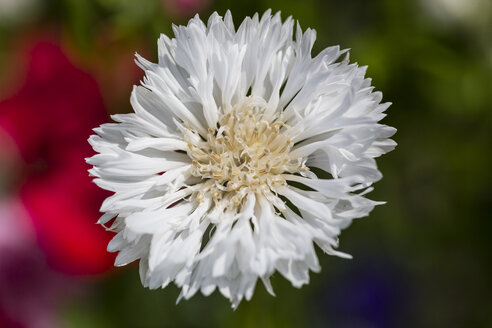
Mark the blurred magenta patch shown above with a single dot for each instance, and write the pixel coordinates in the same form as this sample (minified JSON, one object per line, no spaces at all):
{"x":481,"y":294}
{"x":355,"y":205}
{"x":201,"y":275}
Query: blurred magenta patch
{"x":49,"y":119}
{"x":184,"y":8}
{"x":30,"y":292}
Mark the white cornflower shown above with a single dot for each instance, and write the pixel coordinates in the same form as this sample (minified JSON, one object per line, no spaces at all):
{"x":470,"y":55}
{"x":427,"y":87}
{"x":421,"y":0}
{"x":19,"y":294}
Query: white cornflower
{"x":243,"y":152}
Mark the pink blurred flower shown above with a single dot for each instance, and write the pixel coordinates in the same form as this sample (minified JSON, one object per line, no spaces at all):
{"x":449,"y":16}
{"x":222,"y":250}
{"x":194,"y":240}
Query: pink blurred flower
{"x":29,"y":289}
{"x":49,"y":120}
{"x":184,"y":8}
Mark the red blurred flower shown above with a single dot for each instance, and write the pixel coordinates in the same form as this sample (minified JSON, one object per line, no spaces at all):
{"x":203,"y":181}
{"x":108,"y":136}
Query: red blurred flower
{"x":49,"y":119}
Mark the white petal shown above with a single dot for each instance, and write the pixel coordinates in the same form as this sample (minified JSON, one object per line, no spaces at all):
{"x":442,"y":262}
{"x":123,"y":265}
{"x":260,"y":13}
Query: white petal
{"x":305,"y":203}
{"x":202,"y":203}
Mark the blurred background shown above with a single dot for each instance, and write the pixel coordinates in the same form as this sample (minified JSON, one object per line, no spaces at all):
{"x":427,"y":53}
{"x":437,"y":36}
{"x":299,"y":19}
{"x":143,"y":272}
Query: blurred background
{"x":422,"y":260}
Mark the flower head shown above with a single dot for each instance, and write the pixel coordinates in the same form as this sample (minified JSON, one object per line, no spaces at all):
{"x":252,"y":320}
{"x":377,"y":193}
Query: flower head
{"x":243,"y":152}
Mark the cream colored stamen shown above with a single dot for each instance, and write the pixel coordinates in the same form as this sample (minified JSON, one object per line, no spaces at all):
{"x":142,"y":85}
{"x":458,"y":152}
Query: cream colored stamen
{"x":245,"y":153}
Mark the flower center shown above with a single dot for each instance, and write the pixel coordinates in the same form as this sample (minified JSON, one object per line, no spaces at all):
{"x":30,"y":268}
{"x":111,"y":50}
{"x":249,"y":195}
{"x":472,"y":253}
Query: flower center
{"x":245,"y":153}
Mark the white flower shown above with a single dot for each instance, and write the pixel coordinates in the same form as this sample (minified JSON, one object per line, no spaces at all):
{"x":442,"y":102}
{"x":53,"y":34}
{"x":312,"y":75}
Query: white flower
{"x":229,"y":128}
